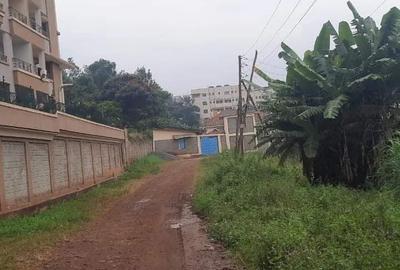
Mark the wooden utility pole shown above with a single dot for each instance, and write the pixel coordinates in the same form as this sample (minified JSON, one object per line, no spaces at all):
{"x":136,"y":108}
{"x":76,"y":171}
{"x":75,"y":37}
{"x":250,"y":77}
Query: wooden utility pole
{"x":242,"y":111}
{"x":239,"y":111}
{"x":249,"y":97}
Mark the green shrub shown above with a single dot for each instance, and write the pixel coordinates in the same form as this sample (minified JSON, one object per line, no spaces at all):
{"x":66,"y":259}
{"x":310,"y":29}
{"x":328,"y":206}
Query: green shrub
{"x":273,"y":219}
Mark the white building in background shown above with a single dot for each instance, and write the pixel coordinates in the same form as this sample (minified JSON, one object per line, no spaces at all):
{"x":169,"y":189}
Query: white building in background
{"x":215,"y":99}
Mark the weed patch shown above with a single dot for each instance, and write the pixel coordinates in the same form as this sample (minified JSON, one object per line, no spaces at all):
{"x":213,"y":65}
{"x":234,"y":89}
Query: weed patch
{"x":273,"y":219}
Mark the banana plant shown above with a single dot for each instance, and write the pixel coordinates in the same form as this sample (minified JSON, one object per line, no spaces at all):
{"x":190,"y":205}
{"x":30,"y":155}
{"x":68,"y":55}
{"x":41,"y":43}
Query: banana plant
{"x":338,"y":104}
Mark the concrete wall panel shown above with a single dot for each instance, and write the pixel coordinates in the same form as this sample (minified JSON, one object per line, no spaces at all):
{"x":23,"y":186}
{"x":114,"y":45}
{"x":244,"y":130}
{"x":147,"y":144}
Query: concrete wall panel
{"x":118,"y":156}
{"x":232,"y":123}
{"x":60,"y":165}
{"x":105,"y":156}
{"x":15,"y":173}
{"x":97,"y":160}
{"x":112,"y":157}
{"x":75,"y":163}
{"x":87,"y":162}
{"x":40,"y":168}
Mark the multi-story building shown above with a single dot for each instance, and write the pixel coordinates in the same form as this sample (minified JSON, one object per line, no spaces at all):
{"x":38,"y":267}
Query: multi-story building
{"x":30,"y":63}
{"x":215,"y":99}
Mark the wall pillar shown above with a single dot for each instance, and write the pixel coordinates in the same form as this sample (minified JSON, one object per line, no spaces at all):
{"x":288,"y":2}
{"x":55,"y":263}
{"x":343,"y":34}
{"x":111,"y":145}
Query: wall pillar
{"x":199,"y":145}
{"x":28,"y":158}
{"x":51,"y":164}
{"x":125,"y":150}
{"x":3,"y":206}
{"x":219,"y":144}
{"x":93,"y":166}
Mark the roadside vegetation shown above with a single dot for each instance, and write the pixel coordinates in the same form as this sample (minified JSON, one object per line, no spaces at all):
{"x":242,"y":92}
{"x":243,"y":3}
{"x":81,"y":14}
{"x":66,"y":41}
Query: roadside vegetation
{"x":339,"y":106}
{"x":22,"y":236}
{"x":327,"y":195}
{"x":271,"y":217}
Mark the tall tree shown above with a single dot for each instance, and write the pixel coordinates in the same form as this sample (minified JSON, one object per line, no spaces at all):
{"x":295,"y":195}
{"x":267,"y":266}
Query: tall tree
{"x":122,"y":99}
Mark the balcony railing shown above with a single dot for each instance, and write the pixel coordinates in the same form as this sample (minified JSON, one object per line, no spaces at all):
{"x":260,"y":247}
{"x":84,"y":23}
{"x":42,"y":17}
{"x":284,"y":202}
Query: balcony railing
{"x":18,"y":15}
{"x":5,"y":94}
{"x":32,"y":22}
{"x":21,"y":64}
{"x":38,"y":27}
{"x":25,"y":97}
{"x":3,"y":58}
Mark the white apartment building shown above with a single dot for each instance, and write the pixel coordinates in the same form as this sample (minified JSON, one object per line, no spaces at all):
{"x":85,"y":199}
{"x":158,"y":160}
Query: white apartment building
{"x":30,"y":62}
{"x":215,"y":99}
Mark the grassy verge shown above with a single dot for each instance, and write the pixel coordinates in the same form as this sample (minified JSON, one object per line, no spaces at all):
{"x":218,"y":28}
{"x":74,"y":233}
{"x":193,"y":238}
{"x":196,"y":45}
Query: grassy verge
{"x":27,"y":234}
{"x":273,"y":219}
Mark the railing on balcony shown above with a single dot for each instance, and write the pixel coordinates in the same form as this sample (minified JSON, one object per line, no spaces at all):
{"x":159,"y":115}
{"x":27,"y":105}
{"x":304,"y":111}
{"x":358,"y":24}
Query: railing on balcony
{"x":25,"y":97}
{"x":21,"y":64}
{"x":3,"y":58}
{"x":18,"y":15}
{"x":32,"y":21}
{"x":5,"y":94}
{"x":38,"y":27}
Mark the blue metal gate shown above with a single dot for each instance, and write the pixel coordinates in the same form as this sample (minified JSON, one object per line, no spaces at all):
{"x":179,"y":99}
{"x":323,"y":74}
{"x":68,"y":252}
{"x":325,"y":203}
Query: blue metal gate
{"x":209,"y":146}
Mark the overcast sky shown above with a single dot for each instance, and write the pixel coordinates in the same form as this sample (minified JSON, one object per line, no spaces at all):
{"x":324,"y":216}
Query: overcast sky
{"x":192,"y":43}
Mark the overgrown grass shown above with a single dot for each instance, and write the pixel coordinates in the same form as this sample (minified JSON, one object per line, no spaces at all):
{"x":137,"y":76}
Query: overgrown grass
{"x":388,"y":173}
{"x":273,"y":219}
{"x":22,"y":234}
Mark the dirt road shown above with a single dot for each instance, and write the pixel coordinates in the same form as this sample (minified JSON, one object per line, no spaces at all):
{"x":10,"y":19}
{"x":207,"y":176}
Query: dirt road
{"x":150,"y":229}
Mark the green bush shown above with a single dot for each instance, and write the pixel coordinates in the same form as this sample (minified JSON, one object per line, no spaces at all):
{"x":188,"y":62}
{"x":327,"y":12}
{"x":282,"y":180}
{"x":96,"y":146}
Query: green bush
{"x":273,"y":219}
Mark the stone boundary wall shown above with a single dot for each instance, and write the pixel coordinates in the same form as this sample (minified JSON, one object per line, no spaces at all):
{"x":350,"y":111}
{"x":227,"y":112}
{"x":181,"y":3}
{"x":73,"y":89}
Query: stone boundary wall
{"x":45,"y":157}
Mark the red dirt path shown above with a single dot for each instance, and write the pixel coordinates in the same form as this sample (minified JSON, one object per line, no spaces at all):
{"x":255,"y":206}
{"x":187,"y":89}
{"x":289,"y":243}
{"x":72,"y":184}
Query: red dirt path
{"x":150,"y":229}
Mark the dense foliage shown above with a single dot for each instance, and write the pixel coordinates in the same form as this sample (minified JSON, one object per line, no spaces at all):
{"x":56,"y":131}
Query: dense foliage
{"x":339,"y":106}
{"x":121,"y":99}
{"x":272,"y":218}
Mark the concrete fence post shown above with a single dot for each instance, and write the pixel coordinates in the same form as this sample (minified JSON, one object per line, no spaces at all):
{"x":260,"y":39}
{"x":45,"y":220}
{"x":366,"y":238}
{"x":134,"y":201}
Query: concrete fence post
{"x":2,"y":185}
{"x":125,"y":149}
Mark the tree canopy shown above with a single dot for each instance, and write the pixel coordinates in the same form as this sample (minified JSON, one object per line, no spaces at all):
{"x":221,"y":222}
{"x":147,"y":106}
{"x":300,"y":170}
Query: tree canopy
{"x":122,"y":99}
{"x":340,"y":105}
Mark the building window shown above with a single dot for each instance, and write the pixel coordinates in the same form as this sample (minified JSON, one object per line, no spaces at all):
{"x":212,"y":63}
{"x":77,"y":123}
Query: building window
{"x":205,"y":111}
{"x":182,"y":144}
{"x":205,"y":103}
{"x":204,"y":95}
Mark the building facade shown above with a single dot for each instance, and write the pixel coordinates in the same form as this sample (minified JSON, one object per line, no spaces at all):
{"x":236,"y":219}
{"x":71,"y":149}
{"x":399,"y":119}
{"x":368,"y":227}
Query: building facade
{"x":215,"y":99}
{"x":217,"y":139}
{"x":30,"y":63}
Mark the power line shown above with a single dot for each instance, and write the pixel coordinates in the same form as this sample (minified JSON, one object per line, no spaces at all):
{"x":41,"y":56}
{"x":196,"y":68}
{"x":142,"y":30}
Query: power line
{"x":291,"y":31}
{"x":378,"y":7}
{"x":265,"y":27}
{"x":282,"y":25}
